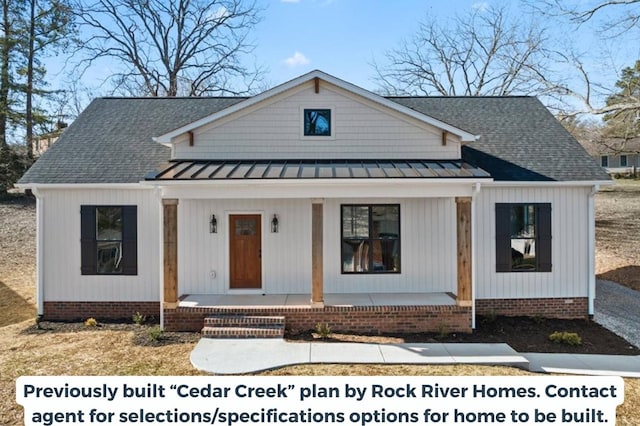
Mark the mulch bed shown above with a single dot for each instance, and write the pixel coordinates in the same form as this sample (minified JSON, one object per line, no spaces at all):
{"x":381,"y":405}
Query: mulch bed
{"x":524,"y":334}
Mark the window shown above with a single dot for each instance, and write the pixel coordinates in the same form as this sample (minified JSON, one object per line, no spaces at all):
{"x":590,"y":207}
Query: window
{"x":317,"y":122}
{"x":623,"y":161}
{"x":604,"y":160}
{"x":108,"y":240}
{"x":523,"y":237}
{"x":370,"y":239}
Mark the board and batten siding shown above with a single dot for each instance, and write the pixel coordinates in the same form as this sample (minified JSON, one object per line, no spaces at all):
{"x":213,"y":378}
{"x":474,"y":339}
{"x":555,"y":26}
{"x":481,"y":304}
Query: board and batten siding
{"x":360,"y":129}
{"x":61,"y":269}
{"x":427,"y":247}
{"x":203,"y":258}
{"x":569,"y":245}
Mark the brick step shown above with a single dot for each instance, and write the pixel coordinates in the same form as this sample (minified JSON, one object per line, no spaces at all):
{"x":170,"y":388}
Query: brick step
{"x":268,"y":331}
{"x":242,"y":320}
{"x":243,"y":326}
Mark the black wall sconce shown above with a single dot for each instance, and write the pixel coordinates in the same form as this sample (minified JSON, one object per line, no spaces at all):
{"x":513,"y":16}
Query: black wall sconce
{"x":213,"y":225}
{"x":274,"y":224}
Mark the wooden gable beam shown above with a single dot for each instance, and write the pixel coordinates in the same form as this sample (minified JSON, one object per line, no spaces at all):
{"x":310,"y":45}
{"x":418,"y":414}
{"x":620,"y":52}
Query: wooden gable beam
{"x":190,"y":138}
{"x":444,"y":137}
{"x":316,"y":82}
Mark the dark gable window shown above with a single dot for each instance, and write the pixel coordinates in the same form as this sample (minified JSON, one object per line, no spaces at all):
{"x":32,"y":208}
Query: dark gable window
{"x":317,"y":122}
{"x":604,"y":161}
{"x":370,"y":239}
{"x":109,"y":242}
{"x":523,"y":237}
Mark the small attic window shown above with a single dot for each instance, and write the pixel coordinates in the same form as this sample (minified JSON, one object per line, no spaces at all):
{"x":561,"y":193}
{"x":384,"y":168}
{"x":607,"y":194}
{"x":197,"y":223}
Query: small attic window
{"x":317,"y":122}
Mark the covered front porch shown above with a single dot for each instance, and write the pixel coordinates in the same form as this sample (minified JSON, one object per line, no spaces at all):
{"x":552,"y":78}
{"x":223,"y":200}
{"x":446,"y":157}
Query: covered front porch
{"x":370,"y":254}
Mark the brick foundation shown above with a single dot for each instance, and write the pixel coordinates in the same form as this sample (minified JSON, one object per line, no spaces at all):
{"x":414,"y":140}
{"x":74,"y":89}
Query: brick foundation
{"x":564,"y":308}
{"x":112,"y":311}
{"x":360,"y":319}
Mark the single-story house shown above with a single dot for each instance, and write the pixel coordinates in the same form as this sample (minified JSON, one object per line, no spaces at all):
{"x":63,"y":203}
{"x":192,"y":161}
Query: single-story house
{"x":616,"y":156}
{"x":317,"y":201}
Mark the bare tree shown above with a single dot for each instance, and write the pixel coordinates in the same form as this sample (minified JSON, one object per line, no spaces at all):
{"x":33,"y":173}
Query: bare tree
{"x":483,"y":53}
{"x":579,"y":13}
{"x":171,"y":48}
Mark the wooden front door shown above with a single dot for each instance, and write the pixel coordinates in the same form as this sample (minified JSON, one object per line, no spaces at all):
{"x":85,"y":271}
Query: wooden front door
{"x":245,"y":248}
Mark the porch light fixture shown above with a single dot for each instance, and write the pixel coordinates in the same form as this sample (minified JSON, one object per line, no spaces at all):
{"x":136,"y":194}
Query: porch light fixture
{"x":274,"y":224}
{"x":213,"y":225}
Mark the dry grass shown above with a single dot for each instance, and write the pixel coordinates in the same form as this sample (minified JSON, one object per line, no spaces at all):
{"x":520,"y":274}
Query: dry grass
{"x":618,"y":233}
{"x":119,"y":350}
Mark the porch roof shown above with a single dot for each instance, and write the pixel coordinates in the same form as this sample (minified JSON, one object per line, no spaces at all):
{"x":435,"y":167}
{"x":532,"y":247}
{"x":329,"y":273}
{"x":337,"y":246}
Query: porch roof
{"x":314,"y":169}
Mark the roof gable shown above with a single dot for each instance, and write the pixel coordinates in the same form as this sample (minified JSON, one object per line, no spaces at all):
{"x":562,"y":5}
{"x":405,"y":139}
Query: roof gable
{"x":168,"y":137}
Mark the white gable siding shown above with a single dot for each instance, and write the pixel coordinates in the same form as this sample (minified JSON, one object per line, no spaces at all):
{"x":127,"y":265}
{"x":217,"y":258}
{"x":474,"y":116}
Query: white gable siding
{"x":360,"y":129}
{"x":61,"y":268}
{"x":569,"y":229}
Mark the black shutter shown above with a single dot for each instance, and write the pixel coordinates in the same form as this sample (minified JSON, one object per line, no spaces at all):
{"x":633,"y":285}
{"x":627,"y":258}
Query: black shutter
{"x":503,"y":237}
{"x":88,"y":247}
{"x":130,"y":240}
{"x":543,"y":237}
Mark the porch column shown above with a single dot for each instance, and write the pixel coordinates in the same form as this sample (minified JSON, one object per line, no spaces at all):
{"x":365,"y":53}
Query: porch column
{"x":463,"y":220}
{"x":317,"y":290}
{"x":170,"y":236}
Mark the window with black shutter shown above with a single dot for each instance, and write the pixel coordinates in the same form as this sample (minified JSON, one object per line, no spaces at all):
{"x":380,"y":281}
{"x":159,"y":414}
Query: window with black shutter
{"x":109,"y":241}
{"x":523,"y":237}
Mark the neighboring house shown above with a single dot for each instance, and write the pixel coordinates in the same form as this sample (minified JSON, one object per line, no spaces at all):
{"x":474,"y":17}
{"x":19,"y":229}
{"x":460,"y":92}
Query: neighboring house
{"x":617,"y":157}
{"x":43,"y":142}
{"x":319,"y":201}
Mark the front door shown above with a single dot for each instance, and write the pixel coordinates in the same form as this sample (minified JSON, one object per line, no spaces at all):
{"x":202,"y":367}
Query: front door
{"x":245,"y":251}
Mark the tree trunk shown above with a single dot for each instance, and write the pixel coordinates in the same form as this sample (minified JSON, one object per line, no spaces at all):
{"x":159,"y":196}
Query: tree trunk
{"x":4,"y":73}
{"x":29,"y":88}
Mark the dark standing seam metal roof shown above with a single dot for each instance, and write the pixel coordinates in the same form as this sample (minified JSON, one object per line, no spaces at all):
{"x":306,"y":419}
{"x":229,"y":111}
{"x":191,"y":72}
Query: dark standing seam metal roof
{"x":314,"y":169}
{"x":111,"y":141}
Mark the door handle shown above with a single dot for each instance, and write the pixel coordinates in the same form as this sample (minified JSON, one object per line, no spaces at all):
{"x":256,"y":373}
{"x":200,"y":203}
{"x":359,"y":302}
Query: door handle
{"x":260,"y":253}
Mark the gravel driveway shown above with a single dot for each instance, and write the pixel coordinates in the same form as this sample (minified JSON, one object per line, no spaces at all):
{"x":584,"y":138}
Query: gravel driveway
{"x":617,"y":308}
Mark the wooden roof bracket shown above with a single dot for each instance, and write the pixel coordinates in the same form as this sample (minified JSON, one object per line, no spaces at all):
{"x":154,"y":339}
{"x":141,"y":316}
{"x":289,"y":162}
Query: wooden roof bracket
{"x":444,"y":137}
{"x":316,"y":82}
{"x":190,"y":138}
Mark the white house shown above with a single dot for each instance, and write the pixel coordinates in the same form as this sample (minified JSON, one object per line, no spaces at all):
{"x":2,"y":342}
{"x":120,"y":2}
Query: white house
{"x":320,"y":202}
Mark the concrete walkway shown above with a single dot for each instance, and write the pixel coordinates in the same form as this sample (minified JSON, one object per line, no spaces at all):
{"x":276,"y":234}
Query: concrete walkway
{"x":238,"y":356}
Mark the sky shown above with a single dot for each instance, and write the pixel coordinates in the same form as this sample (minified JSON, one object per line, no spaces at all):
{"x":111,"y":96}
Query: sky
{"x":340,"y":37}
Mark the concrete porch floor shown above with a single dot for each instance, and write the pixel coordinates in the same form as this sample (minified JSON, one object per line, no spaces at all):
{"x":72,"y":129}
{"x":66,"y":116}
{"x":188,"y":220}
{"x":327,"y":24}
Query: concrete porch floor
{"x":330,"y":299}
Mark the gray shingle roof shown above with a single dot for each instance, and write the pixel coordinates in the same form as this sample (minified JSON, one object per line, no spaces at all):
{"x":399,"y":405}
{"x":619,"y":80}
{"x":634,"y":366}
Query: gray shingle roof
{"x":111,"y":141}
{"x":519,"y":138}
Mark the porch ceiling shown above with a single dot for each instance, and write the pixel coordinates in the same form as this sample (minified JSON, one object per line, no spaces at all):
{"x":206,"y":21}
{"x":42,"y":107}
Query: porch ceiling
{"x":187,"y":170}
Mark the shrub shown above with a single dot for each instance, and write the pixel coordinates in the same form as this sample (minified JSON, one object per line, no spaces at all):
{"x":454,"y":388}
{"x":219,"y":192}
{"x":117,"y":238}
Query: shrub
{"x":91,"y":322}
{"x":138,"y":318}
{"x":156,"y":333}
{"x":323,"y":330}
{"x":564,"y":337}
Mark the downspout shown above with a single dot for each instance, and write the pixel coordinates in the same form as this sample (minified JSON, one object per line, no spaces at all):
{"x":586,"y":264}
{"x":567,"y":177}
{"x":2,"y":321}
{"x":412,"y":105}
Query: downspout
{"x":476,"y":191}
{"x":591,"y":235}
{"x":39,"y":251}
{"x":158,"y":194}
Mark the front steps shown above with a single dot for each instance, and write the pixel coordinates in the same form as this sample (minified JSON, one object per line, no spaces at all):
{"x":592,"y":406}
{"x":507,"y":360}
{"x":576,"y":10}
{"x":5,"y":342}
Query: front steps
{"x":243,"y":327}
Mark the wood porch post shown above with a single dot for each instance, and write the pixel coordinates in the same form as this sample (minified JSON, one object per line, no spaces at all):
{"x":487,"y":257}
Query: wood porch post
{"x":463,"y":220}
{"x":170,"y":251}
{"x":317,"y":289}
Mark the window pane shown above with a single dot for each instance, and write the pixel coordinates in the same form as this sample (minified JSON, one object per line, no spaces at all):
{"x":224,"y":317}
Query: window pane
{"x":355,"y":222}
{"x":523,"y":221}
{"x":109,"y":223}
{"x":317,"y":122}
{"x":355,"y":255}
{"x":109,"y":257}
{"x":386,"y":221}
{"x":385,"y":255}
{"x":523,"y":254}
{"x":245,"y":227}
{"x":623,"y":161}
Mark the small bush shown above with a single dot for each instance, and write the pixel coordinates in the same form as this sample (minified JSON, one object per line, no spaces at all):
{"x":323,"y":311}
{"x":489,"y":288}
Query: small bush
{"x":91,"y":322}
{"x":156,"y":333}
{"x":566,"y":338}
{"x":138,"y":318}
{"x":323,"y":330}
